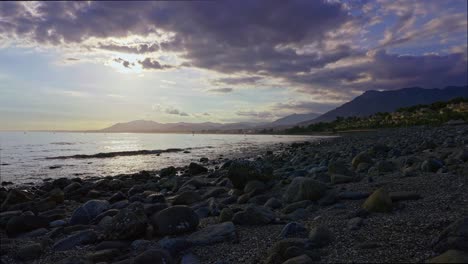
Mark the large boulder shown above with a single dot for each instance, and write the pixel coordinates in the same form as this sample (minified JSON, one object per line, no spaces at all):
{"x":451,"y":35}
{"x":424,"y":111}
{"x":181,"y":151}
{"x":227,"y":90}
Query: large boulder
{"x":187,"y":198}
{"x":80,"y":238}
{"x":24,"y":223}
{"x":88,"y":211}
{"x":195,"y":168}
{"x":254,"y":215}
{"x":175,"y":220}
{"x":302,"y":188}
{"x":378,"y":201}
{"x":169,"y":171}
{"x":214,"y":234}
{"x":15,"y":196}
{"x":129,"y":223}
{"x":242,"y":171}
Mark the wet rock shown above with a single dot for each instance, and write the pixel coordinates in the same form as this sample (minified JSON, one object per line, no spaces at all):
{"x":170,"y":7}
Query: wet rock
{"x":169,"y":171}
{"x":304,"y":189}
{"x":129,"y":223}
{"x":78,"y":239}
{"x":293,"y":229}
{"x":88,"y":211}
{"x":379,"y":201}
{"x":195,"y":169}
{"x":175,"y":220}
{"x":24,"y":223}
{"x":214,"y":234}
{"x":15,"y":196}
{"x":154,"y":256}
{"x":254,"y":215}
{"x":187,"y":198}
{"x":242,"y":171}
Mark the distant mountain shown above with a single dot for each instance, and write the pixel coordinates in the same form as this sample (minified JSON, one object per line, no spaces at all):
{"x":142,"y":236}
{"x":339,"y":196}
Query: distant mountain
{"x":293,"y":119}
{"x":151,"y":126}
{"x":371,"y":102}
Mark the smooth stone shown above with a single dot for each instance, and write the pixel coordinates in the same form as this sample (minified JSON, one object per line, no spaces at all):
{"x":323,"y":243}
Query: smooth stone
{"x":175,"y":220}
{"x":293,"y":229}
{"x":294,"y":206}
{"x":81,"y":238}
{"x":355,"y":223}
{"x":88,"y":211}
{"x":24,"y":223}
{"x":174,"y":245}
{"x":57,"y":223}
{"x":153,"y":256}
{"x":213,"y":234}
{"x":302,"y":259}
{"x":273,"y":203}
{"x":304,"y":189}
{"x":103,"y":255}
{"x":451,"y":256}
{"x":378,"y":201}
{"x":30,"y":252}
{"x":187,"y":198}
{"x":254,"y":215}
{"x":321,"y":236}
{"x":195,"y":169}
{"x":129,"y":223}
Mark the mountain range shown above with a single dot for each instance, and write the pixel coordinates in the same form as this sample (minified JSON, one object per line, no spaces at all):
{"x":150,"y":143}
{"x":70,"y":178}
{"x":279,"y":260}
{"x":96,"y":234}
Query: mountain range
{"x":370,"y":102}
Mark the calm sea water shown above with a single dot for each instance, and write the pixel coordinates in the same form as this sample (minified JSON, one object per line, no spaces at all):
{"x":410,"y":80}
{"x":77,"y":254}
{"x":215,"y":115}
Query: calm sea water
{"x":23,"y":155}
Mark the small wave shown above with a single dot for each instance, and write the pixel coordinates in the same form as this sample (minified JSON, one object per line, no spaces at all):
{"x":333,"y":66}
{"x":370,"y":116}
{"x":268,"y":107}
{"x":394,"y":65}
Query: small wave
{"x":103,"y":155}
{"x":63,"y":143}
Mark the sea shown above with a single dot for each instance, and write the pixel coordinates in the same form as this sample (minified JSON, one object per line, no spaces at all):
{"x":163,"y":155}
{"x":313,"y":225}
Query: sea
{"x":25,"y":156}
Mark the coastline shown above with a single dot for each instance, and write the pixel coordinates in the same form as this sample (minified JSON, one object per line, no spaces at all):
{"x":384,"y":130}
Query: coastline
{"x":421,"y":169}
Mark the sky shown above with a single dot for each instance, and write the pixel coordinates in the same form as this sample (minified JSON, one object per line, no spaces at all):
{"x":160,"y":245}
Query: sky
{"x":88,"y":65}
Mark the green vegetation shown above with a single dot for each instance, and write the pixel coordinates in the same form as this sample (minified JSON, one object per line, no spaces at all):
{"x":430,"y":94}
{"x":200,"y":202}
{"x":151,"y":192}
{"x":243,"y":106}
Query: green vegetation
{"x":434,"y":114}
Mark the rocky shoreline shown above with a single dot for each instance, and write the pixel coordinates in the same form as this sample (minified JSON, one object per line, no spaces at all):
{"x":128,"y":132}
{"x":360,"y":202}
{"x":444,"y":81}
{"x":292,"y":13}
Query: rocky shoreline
{"x":394,"y":195}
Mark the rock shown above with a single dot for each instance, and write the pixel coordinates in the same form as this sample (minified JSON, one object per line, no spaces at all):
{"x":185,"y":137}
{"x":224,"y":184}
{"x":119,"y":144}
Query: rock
{"x":195,"y":169}
{"x":189,"y":258}
{"x":385,"y":166}
{"x":187,"y":198}
{"x":431,"y":165}
{"x":30,"y":252}
{"x":57,"y":223}
{"x":254,"y":215}
{"x":15,"y":196}
{"x":175,"y":220}
{"x":154,"y":256}
{"x":75,"y":260}
{"x":86,"y":212}
{"x":254,"y":187}
{"x":404,"y":196}
{"x":321,"y":236}
{"x":113,"y":244}
{"x":339,"y":167}
{"x":6,"y":216}
{"x":302,"y":259}
{"x":72,"y":187}
{"x":104,"y":255}
{"x":56,"y":195}
{"x":242,"y":171}
{"x":116,"y":197}
{"x":140,"y":244}
{"x":226,"y":215}
{"x":155,"y":198}
{"x":451,"y":256}
{"x":294,"y":206}
{"x":273,"y":203}
{"x":203,"y":212}
{"x":304,"y":189}
{"x":214,"y":192}
{"x":174,"y":245}
{"x":293,"y":229}
{"x":78,"y":239}
{"x":362,"y":157}
{"x":129,"y":223}
{"x":24,"y":223}
{"x":379,"y":201}
{"x":213,"y":234}
{"x":169,"y":171}
{"x":455,"y":236}
{"x":338,"y":178}
{"x":355,"y":223}
{"x":280,"y":247}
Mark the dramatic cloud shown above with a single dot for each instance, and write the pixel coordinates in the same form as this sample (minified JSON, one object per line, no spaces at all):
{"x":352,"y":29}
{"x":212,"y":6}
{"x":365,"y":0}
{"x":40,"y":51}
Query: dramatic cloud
{"x":220,"y":90}
{"x":136,"y":49}
{"x":152,"y":64}
{"x":173,"y":111}
{"x":125,"y":63}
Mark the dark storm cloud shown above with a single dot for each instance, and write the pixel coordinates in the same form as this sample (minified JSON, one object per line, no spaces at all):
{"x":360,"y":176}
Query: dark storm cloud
{"x":152,"y":64}
{"x":136,"y":49}
{"x":220,"y":90}
{"x":125,"y":63}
